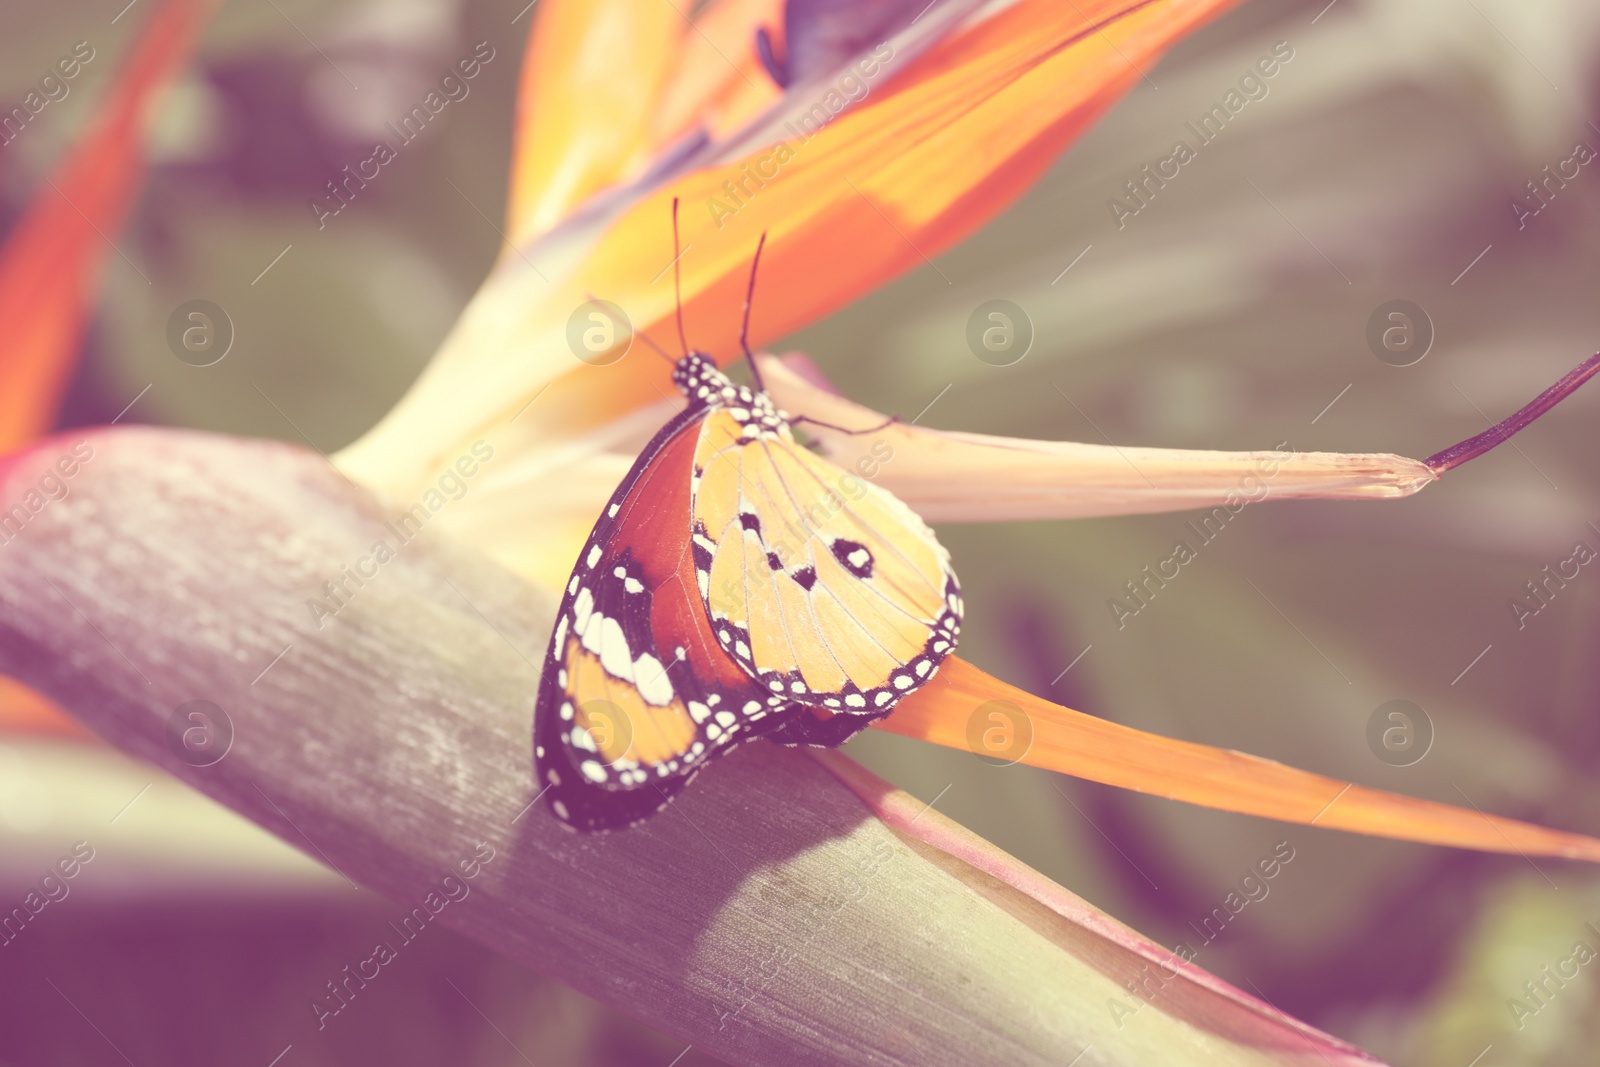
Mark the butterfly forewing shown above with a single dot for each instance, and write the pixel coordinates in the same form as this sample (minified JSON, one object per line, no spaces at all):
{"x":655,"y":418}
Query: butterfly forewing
{"x":636,"y":696}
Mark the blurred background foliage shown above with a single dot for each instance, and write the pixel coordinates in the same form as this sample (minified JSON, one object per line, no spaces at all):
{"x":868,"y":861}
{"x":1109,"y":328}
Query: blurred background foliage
{"x":1227,"y":313}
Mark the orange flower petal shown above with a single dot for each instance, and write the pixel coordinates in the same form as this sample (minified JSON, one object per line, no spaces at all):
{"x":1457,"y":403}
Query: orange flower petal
{"x":930,"y":154}
{"x":1087,"y":747}
{"x":988,"y":110}
{"x":590,"y":82}
{"x":919,"y":164}
{"x":51,"y":261}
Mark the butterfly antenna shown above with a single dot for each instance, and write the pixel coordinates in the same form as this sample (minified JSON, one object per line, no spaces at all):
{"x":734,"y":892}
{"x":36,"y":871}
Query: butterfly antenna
{"x":677,"y":278}
{"x":744,"y":329}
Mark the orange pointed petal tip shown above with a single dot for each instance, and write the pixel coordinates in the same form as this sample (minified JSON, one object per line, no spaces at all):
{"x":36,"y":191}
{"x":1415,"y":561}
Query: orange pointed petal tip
{"x":955,"y":710}
{"x":50,"y":263}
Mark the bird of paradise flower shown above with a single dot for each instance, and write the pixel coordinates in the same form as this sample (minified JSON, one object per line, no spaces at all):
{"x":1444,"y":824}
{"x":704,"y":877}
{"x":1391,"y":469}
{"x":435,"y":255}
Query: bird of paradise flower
{"x":422,"y":705}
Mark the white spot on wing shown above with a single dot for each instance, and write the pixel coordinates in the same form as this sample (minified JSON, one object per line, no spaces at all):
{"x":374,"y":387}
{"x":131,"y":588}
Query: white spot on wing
{"x":605,"y":639}
{"x":650,"y":678}
{"x":581,"y":608}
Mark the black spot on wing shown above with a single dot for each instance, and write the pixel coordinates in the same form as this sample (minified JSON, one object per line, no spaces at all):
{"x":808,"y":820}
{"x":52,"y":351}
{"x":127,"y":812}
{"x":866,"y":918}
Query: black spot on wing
{"x":806,"y":577}
{"x":854,"y":556}
{"x":702,"y":554}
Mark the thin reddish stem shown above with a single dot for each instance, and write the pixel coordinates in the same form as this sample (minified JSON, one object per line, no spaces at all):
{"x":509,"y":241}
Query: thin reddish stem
{"x":1502,"y":431}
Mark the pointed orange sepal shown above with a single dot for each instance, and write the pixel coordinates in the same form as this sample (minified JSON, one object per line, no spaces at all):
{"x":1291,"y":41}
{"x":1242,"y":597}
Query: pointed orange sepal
{"x":1081,"y":745}
{"x":50,"y":262}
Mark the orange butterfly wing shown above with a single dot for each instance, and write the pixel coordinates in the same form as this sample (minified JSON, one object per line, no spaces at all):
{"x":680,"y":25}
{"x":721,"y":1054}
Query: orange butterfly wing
{"x":636,"y":697}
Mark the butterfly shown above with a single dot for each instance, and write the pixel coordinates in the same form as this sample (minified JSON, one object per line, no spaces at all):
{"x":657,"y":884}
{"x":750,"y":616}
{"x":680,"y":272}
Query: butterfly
{"x":737,"y":585}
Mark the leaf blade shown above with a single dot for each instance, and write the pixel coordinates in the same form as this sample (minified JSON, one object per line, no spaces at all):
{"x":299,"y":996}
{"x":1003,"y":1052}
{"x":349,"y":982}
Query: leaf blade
{"x":767,"y":916}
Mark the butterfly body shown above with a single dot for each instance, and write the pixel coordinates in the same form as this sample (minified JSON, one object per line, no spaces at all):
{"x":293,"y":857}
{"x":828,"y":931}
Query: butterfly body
{"x":736,"y":586}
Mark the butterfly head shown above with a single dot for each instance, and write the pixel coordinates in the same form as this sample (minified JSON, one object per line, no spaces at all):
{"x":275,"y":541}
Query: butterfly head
{"x":697,"y":377}
{"x":704,"y":383}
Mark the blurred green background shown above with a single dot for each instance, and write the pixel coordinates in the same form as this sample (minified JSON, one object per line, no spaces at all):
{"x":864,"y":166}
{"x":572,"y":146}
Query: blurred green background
{"x":1228,"y":313}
